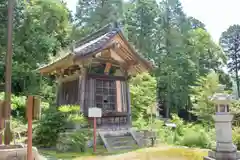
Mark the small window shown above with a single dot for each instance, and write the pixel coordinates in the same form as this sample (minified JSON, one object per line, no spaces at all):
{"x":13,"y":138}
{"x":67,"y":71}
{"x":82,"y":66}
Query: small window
{"x":222,"y":108}
{"x":228,"y":108}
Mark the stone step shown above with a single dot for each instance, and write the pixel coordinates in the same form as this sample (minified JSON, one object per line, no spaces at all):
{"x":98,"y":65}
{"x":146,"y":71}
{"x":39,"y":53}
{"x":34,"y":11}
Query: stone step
{"x":117,"y":141}
{"x":117,"y":134}
{"x":123,"y":148}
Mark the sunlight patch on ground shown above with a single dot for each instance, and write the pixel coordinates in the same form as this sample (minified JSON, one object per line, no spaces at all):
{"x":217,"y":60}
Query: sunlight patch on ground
{"x":167,"y":153}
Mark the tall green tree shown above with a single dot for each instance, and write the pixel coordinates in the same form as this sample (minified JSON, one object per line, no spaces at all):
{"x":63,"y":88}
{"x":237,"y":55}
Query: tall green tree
{"x":230,"y":42}
{"x":195,"y":23}
{"x":203,"y":108}
{"x":92,"y":15}
{"x":185,"y":52}
{"x":140,"y":24}
{"x":171,"y":57}
{"x":40,"y":30}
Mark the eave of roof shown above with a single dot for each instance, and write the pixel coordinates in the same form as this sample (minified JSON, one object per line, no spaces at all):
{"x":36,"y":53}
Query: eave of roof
{"x":144,"y":60}
{"x":94,"y":43}
{"x":51,"y":66}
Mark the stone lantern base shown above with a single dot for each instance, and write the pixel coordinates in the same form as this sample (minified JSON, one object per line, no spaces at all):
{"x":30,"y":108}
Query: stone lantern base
{"x":17,"y":152}
{"x":220,"y":155}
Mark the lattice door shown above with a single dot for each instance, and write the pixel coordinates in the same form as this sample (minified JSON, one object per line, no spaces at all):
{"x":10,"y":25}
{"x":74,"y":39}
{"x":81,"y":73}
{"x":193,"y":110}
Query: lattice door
{"x":106,"y":95}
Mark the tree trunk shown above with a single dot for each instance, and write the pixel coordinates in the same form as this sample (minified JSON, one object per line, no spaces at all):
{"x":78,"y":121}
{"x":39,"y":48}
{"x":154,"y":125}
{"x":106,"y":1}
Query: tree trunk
{"x":237,"y":80}
{"x":189,"y":108}
{"x":236,"y":72}
{"x":167,"y":50}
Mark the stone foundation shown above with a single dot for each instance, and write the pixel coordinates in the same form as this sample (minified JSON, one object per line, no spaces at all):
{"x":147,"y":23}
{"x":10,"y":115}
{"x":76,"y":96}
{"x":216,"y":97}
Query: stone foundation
{"x":16,"y":152}
{"x":213,"y":155}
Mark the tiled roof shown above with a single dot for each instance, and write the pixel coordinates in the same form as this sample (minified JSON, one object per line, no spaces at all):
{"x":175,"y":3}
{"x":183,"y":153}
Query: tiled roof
{"x":94,"y":43}
{"x":97,"y":41}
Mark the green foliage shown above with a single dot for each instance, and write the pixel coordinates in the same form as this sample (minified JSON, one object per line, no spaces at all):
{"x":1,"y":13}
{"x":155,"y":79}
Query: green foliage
{"x":140,"y":25}
{"x":236,"y":137}
{"x":203,"y":108}
{"x":40,"y":30}
{"x":191,"y":135}
{"x":56,"y":121}
{"x":47,"y":130}
{"x":140,"y":123}
{"x":92,"y":15}
{"x":230,"y":43}
{"x":235,"y":110}
{"x":18,"y":105}
{"x":179,"y":45}
{"x":75,"y":141}
{"x":195,"y":138}
{"x":73,"y":114}
{"x":143,"y":95}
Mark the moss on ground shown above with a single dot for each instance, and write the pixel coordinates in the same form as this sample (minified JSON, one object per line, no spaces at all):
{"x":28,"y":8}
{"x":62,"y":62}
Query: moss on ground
{"x":166,"y":153}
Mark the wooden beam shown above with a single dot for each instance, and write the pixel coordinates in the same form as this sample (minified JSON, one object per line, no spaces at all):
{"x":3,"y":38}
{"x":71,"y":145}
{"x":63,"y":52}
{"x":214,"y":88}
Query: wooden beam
{"x":128,"y":62}
{"x":69,"y":78}
{"x":106,"y":53}
{"x":110,"y":60}
{"x":83,"y":88}
{"x":107,"y":68}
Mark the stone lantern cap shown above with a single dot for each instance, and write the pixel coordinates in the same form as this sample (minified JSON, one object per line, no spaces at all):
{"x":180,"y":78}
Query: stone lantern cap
{"x":221,"y":101}
{"x":221,"y":98}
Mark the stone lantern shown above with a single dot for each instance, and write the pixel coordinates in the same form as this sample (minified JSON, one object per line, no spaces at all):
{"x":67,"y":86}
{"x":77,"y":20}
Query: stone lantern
{"x":225,"y":149}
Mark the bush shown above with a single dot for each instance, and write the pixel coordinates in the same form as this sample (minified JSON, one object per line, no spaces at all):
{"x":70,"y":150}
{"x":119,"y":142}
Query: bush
{"x":74,"y":141}
{"x":143,"y":95}
{"x":47,"y":130}
{"x":195,"y":139}
{"x":236,"y":137}
{"x":191,"y":135}
{"x":73,"y":116}
{"x":56,"y":121}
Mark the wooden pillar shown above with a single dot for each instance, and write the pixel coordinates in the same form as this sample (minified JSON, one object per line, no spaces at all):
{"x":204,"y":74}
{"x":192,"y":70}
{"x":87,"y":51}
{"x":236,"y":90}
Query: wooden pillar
{"x":29,"y":132}
{"x":119,"y":96}
{"x":129,"y":105}
{"x":59,"y":91}
{"x":1,"y":129}
{"x":83,"y":88}
{"x":79,"y":91}
{"x":1,"y":121}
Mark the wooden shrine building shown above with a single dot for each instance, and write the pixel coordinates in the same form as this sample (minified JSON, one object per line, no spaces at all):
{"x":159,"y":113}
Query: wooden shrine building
{"x":94,"y":73}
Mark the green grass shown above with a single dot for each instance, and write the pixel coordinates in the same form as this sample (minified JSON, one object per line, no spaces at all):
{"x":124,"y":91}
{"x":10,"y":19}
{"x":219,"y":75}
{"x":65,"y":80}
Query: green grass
{"x":68,"y":155}
{"x":163,"y":152}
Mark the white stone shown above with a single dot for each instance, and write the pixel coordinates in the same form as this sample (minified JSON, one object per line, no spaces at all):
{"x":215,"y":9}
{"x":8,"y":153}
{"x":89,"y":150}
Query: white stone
{"x":223,"y":125}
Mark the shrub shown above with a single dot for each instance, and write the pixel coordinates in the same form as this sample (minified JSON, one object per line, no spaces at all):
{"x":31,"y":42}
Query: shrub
{"x":140,"y":123}
{"x":48,"y":128}
{"x":236,"y":137}
{"x":194,"y":138}
{"x":143,"y":95}
{"x":73,"y":115}
{"x":56,"y":121}
{"x":74,"y":141}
